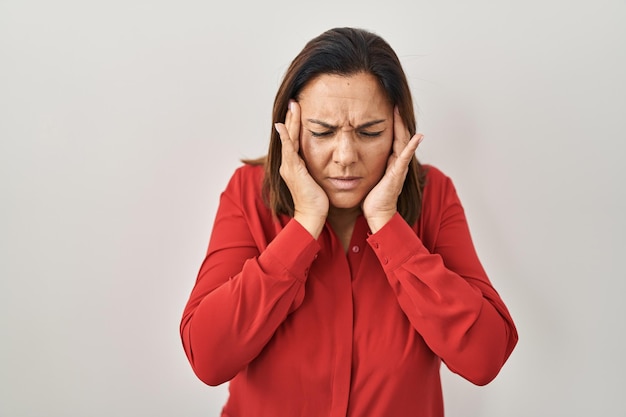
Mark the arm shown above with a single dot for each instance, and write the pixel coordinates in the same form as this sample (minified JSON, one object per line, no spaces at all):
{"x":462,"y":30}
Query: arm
{"x":241,"y":296}
{"x":244,"y":293}
{"x":446,"y":294}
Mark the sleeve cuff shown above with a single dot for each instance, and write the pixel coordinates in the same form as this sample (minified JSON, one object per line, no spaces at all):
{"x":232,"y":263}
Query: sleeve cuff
{"x":293,"y":251}
{"x":395,"y":242}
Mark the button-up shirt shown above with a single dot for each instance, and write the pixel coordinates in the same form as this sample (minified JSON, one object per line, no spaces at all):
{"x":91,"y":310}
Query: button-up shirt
{"x":302,"y":327}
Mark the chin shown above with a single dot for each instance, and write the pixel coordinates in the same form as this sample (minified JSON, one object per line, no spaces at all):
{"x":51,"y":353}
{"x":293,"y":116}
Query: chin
{"x":345,"y":203}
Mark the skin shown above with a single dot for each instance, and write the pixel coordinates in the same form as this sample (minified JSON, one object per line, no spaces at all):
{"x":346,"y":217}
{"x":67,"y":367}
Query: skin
{"x":345,"y":151}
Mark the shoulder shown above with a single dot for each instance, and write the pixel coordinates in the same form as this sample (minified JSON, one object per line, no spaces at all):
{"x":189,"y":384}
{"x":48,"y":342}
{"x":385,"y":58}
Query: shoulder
{"x":245,"y":189}
{"x":246,"y":179}
{"x":439,"y":200}
{"x":432,"y":172}
{"x":249,"y":171}
{"x":436,"y":181}
{"x":439,"y":190}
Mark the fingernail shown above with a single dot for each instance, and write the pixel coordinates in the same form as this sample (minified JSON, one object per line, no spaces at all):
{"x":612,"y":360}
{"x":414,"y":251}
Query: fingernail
{"x":276,"y":127}
{"x":290,"y":105}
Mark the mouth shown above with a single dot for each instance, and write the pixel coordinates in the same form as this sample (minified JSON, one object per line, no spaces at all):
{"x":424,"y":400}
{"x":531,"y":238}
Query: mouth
{"x":345,"y":183}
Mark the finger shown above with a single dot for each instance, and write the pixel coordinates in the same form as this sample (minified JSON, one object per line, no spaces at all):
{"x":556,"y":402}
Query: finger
{"x":287,"y":148}
{"x":293,"y":123}
{"x":409,"y":150}
{"x":288,"y":115}
{"x":401,"y":134}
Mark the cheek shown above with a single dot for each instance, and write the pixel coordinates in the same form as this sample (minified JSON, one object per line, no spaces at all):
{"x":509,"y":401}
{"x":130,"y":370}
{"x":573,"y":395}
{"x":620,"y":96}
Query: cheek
{"x":306,"y":150}
{"x":380,"y":154}
{"x":312,"y":154}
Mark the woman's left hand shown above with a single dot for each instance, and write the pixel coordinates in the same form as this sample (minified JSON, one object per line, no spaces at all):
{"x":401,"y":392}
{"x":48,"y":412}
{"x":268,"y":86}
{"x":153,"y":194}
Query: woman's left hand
{"x":381,"y":204}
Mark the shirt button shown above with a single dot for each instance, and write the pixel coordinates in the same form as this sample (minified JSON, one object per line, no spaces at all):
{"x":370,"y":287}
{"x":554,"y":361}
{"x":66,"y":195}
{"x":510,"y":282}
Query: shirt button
{"x":355,"y":249}
{"x":315,"y":257}
{"x":385,"y":260}
{"x":376,"y":245}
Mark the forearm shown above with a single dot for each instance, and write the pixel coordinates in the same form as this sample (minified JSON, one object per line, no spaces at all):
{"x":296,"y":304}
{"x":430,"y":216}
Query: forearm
{"x":457,"y":320}
{"x":459,"y":315}
{"x":225,"y":326}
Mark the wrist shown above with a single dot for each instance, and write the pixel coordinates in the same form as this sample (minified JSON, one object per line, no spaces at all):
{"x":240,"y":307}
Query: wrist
{"x":312,"y":223}
{"x":378,"y":221}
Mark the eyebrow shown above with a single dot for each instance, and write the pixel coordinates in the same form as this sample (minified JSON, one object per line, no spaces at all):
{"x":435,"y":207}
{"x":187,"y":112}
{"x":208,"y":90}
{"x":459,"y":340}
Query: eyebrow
{"x":329,"y":126}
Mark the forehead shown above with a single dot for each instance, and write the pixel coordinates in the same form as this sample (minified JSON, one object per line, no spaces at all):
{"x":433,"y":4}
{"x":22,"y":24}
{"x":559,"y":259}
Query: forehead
{"x":331,"y":95}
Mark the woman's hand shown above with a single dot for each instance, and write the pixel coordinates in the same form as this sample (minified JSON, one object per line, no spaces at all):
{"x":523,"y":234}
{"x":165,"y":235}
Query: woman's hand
{"x":310,"y":201}
{"x":381,"y":204}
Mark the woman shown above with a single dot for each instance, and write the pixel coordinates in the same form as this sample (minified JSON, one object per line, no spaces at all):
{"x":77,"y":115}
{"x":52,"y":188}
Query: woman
{"x":341,"y":272}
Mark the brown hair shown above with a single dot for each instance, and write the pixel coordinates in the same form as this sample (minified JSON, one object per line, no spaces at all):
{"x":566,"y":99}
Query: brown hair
{"x":343,"y":51}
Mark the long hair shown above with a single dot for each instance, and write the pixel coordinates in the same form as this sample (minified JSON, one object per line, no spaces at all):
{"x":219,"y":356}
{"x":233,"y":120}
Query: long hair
{"x":343,"y":51}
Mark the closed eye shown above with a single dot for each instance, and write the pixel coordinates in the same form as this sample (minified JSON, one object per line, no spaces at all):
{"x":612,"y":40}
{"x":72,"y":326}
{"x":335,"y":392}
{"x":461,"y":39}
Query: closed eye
{"x":371,"y":134}
{"x":321,"y":134}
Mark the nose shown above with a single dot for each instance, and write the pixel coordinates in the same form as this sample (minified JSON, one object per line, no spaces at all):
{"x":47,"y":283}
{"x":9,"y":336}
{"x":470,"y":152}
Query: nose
{"x":345,"y":152}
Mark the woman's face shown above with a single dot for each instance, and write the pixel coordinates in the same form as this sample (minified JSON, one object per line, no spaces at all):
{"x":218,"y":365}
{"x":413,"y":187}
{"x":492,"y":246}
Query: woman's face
{"x":346,"y":135}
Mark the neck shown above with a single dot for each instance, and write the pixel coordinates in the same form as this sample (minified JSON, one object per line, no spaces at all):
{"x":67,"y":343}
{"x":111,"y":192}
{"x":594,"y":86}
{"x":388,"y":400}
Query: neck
{"x":342,"y":221}
{"x":343,"y":216}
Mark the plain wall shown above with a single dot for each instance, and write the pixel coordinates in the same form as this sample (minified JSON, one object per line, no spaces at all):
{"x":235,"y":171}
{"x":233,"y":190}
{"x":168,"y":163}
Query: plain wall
{"x":121,"y":122}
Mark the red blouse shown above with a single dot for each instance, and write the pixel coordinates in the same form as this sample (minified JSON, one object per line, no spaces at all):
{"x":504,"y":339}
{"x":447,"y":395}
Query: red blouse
{"x":301,"y":328}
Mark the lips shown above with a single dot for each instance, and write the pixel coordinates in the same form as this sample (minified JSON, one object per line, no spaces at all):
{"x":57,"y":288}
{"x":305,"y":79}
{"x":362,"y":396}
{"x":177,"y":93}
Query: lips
{"x":345,"y":183}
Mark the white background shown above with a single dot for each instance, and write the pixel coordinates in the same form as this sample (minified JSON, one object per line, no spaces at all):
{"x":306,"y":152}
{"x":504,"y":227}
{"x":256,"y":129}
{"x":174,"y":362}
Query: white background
{"x":121,"y":122}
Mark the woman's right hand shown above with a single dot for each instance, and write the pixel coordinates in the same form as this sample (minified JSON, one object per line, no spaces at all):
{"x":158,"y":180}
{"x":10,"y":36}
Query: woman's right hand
{"x":310,"y":201}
